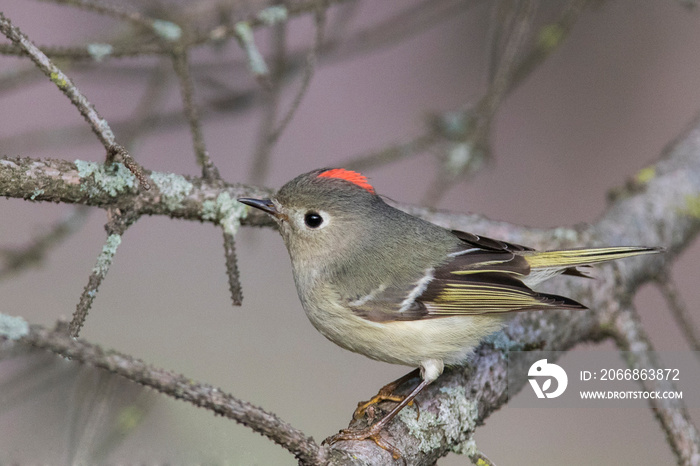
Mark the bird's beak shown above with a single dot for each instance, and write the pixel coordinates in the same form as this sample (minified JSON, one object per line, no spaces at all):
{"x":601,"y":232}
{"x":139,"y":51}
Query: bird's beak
{"x":265,"y":205}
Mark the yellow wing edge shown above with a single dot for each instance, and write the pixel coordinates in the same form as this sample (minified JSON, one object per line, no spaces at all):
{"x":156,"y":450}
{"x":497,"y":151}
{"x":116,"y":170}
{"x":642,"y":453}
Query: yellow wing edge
{"x":577,"y":257}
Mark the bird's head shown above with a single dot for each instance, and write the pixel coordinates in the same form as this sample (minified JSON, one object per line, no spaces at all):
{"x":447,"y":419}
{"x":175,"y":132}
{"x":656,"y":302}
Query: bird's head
{"x":322,"y":211}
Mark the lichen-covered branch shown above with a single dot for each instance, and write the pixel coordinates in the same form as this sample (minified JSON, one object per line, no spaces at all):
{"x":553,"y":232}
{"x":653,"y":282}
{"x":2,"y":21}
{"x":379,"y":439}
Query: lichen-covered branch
{"x":99,"y":185}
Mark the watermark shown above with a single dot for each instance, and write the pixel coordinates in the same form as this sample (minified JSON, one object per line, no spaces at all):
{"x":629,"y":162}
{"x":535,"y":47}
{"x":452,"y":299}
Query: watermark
{"x":601,"y":379}
{"x":551,"y":372}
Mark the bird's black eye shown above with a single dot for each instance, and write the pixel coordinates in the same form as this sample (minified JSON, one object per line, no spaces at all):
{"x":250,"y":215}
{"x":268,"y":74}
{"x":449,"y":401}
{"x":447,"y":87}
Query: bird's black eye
{"x":313,"y":220}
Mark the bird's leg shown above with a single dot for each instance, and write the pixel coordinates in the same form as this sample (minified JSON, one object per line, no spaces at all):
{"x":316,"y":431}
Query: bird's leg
{"x":386,"y":393}
{"x":373,"y":432}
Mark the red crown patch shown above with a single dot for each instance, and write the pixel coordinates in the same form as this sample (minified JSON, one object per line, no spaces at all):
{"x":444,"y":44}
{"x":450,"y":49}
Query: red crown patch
{"x":348,"y":175}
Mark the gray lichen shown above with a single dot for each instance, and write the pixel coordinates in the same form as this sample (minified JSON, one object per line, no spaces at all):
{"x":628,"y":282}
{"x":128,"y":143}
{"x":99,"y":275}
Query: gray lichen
{"x":111,"y":179}
{"x":273,"y":15}
{"x":173,"y":189}
{"x":456,"y":415}
{"x":225,"y":211}
{"x":167,"y":30}
{"x":99,"y":51}
{"x":104,"y":260}
{"x":13,"y":328}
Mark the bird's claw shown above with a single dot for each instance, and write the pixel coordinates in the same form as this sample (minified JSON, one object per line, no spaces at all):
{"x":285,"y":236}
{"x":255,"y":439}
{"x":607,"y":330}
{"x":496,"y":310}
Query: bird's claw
{"x":368,"y":433}
{"x":362,"y":406}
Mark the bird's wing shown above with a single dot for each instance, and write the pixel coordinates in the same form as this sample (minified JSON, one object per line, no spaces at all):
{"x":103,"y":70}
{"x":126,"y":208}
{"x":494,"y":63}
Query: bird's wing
{"x":481,"y":276}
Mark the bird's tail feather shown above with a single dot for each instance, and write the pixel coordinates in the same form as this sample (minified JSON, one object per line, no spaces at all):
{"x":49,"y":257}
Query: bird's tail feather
{"x":578,"y":257}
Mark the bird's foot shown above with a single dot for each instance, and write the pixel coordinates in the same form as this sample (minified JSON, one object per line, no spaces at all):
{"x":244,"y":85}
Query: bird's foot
{"x":369,"y":433}
{"x":386,"y":393}
{"x":380,"y":397}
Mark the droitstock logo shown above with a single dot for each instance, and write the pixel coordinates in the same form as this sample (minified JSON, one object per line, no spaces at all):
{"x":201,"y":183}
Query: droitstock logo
{"x":547,"y":371}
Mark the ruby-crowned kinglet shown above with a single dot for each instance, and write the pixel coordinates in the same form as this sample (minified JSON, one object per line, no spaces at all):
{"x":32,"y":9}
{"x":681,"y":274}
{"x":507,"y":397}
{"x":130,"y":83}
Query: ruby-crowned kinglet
{"x":380,"y":282}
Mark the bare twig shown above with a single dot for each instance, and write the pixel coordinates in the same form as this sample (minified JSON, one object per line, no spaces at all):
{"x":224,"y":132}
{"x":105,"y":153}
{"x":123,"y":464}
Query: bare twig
{"x":407,"y":23}
{"x":679,"y":310}
{"x":550,"y":38}
{"x":392,"y":153}
{"x":142,"y":119}
{"x":671,"y":413}
{"x":269,"y":133}
{"x":99,"y":126}
{"x":109,"y":9}
{"x":182,"y":70}
{"x":320,"y":20}
{"x":99,"y":271}
{"x":474,"y":150}
{"x":508,"y":71}
{"x":116,"y":227}
{"x":234,"y":281}
{"x":513,"y":47}
{"x":270,"y":102}
{"x":179,"y":387}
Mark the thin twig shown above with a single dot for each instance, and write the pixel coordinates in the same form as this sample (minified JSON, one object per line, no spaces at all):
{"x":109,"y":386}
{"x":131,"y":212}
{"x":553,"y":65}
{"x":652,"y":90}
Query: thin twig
{"x":143,"y":119}
{"x":407,"y":23}
{"x":679,"y":310}
{"x":99,"y":126}
{"x":671,"y":413}
{"x":270,"y":102}
{"x":320,"y":19}
{"x":516,"y":71}
{"x":99,"y":271}
{"x":182,"y":69}
{"x":234,"y":281}
{"x":473,"y":151}
{"x":392,"y":153}
{"x":109,"y":9}
{"x":119,"y":222}
{"x":269,"y":134}
{"x":549,"y":40}
{"x":171,"y":32}
{"x":179,"y":387}
{"x":117,"y":153}
{"x":513,"y":47}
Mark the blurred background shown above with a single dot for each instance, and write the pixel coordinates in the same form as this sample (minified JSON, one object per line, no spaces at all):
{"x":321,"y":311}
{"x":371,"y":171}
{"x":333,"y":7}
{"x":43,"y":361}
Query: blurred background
{"x":621,"y":83}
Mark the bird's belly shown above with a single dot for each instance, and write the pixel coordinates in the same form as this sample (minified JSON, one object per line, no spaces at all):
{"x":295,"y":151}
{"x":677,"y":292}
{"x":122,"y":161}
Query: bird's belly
{"x":449,"y":339}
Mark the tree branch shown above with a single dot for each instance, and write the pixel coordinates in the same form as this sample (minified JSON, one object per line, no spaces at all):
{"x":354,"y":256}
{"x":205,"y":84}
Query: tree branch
{"x":176,"y":386}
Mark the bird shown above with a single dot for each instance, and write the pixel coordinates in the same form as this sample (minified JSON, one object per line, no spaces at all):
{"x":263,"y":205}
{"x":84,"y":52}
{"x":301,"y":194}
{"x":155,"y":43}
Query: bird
{"x":380,"y":282}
